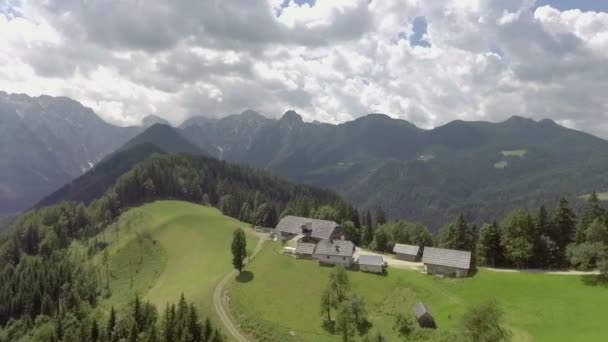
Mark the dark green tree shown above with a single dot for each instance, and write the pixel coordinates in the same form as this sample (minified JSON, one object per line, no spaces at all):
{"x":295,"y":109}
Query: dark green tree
{"x":380,"y":216}
{"x":489,"y":249}
{"x":564,"y":225}
{"x":345,"y":323}
{"x":239,"y":249}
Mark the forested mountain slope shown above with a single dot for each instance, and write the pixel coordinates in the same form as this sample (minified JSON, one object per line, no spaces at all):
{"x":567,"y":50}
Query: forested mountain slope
{"x":481,"y":169}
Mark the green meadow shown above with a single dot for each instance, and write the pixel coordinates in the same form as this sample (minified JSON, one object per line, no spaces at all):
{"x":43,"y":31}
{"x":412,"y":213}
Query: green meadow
{"x":281,"y":300}
{"x":167,"y":248}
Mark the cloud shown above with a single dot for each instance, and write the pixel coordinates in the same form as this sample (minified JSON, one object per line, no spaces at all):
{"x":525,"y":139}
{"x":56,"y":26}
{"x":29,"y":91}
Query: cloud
{"x":331,"y":60}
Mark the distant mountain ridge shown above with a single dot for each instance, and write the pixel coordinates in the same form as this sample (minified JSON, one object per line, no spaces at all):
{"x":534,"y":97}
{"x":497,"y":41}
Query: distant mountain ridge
{"x":481,"y":169}
{"x":47,"y":141}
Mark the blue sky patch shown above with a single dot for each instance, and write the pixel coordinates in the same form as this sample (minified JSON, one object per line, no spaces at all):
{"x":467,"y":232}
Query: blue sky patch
{"x":583,"y":5}
{"x":419,"y":28}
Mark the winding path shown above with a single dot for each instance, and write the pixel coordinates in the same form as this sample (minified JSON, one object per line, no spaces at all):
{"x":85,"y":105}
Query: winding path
{"x":219,"y":301}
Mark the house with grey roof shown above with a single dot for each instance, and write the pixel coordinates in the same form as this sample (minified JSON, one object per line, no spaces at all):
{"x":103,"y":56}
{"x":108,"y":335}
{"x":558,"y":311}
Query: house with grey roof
{"x":312,"y":230}
{"x":423,"y":316}
{"x":371,"y":263}
{"x":305,"y":250}
{"x":335,"y":252}
{"x":406,"y":252}
{"x":447,"y":262}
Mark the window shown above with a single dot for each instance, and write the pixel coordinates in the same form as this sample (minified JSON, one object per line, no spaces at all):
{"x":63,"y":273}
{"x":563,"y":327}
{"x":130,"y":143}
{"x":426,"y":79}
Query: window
{"x":343,"y":258}
{"x":328,"y":257}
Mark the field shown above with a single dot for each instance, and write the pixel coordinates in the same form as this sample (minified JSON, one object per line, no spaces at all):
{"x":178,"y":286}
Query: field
{"x":501,"y":164}
{"x":166,"y":248}
{"x":603,"y":196}
{"x":514,"y":153}
{"x":283,"y":296}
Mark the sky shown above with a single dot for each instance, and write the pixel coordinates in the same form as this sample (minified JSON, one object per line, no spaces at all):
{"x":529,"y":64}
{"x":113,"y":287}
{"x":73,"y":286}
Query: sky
{"x":428,"y":62}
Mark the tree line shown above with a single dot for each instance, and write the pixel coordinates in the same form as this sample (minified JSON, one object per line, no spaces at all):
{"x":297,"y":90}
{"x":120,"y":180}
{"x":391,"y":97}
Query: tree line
{"x":558,"y":238}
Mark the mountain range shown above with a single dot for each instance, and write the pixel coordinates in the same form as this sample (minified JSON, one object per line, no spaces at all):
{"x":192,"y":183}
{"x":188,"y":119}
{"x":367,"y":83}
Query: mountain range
{"x":481,"y":169}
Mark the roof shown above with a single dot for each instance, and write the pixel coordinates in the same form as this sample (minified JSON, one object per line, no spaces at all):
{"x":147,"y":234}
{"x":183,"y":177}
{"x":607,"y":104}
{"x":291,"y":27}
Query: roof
{"x":370,"y":260}
{"x":447,"y":257}
{"x":335,"y":247}
{"x":406,"y":249}
{"x":421,"y":310}
{"x":305,"y":248}
{"x":321,"y":229}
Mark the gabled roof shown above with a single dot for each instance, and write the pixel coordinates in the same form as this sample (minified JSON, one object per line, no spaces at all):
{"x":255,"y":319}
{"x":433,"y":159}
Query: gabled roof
{"x":370,"y":260}
{"x":321,"y":229}
{"x":305,"y":248}
{"x":447,"y":257}
{"x":421,"y":310}
{"x":406,"y":249}
{"x":335,"y":247}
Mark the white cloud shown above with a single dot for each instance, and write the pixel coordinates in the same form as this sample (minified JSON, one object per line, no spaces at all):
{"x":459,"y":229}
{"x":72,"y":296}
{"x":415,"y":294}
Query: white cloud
{"x":332,"y":61}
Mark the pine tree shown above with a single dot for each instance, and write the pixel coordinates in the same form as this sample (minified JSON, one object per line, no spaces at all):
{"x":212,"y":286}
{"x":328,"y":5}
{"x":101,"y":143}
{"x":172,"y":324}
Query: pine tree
{"x":564,"y":225}
{"x":592,"y":211}
{"x":194,"y":326}
{"x":111,"y":324}
{"x":489,"y":249}
{"x":94,"y":331}
{"x":380,"y":216}
{"x":239,"y":249}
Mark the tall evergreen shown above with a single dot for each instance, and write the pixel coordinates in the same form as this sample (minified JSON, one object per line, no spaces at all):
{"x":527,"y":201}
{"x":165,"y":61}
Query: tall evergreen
{"x":489,"y":248}
{"x":592,"y":211}
{"x":239,"y":249}
{"x":380,"y":216}
{"x":564,"y":224}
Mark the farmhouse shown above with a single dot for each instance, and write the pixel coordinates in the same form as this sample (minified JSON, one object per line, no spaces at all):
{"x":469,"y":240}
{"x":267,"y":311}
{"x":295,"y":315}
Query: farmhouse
{"x":335,"y":252}
{"x":424,"y":316}
{"x":371,"y":263}
{"x":406,"y":252}
{"x":448,"y":262}
{"x":313,"y":230}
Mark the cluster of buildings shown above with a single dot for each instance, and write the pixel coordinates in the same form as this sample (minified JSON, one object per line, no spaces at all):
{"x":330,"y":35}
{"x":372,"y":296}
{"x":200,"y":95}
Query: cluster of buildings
{"x":324,"y":241}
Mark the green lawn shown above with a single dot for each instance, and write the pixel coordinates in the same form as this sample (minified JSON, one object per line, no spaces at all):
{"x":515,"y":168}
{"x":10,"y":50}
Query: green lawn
{"x":514,"y":153}
{"x":284,"y":294}
{"x":166,"y":248}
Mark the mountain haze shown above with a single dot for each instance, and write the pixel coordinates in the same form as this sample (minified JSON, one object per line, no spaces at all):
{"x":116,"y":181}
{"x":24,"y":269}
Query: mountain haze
{"x":46,"y":142}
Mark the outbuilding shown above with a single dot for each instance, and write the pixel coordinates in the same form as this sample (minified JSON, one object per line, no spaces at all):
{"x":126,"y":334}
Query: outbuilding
{"x":305,"y":250}
{"x":447,"y":262}
{"x":335,"y":252}
{"x":406,"y":252}
{"x":423,"y":316}
{"x":371,"y":263}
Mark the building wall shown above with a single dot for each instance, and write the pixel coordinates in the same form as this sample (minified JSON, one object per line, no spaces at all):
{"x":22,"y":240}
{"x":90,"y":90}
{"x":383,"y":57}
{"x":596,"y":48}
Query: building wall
{"x":446,"y":271}
{"x":406,"y":257}
{"x":370,"y":268}
{"x":335,"y":260}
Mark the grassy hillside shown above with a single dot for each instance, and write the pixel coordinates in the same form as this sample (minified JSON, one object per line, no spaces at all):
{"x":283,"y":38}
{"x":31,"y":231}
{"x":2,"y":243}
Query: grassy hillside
{"x":284,"y":296}
{"x":166,"y":248}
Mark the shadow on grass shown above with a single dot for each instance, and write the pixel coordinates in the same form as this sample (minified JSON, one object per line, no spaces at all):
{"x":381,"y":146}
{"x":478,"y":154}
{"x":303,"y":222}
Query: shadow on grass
{"x":329,"y":326}
{"x":364,"y":327}
{"x":245,"y":277}
{"x":595,"y":280}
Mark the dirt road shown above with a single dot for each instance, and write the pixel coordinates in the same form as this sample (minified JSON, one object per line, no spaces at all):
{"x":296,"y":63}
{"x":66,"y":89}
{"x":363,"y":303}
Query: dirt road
{"x":219,"y":300}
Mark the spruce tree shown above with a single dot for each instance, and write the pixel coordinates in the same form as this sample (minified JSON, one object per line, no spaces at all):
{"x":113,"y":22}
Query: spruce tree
{"x":111,"y":324}
{"x":489,"y":249}
{"x":564,"y":225}
{"x":380,"y":216}
{"x":239,"y":249}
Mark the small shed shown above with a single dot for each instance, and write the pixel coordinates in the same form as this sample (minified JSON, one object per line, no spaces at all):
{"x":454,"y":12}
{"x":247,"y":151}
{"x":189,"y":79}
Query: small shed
{"x":406,"y":252}
{"x":305,"y":250}
{"x":447,"y":262}
{"x":371,"y":263}
{"x":423,"y":316}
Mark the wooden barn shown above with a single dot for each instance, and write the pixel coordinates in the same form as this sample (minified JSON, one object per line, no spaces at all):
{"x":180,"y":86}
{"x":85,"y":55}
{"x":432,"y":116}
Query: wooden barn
{"x":423,"y":316}
{"x":406,"y":252}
